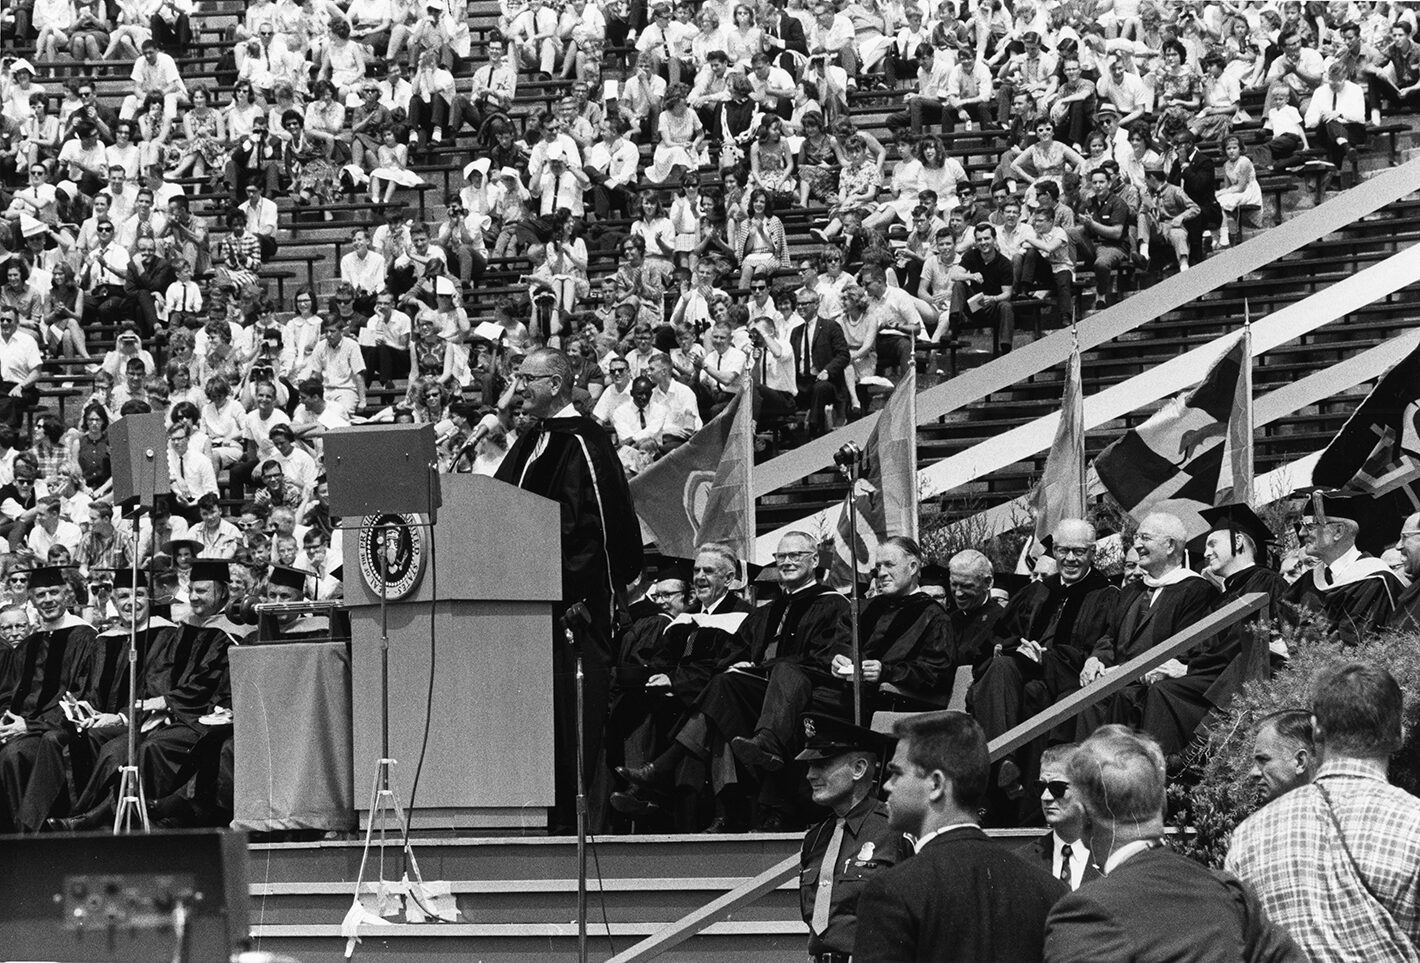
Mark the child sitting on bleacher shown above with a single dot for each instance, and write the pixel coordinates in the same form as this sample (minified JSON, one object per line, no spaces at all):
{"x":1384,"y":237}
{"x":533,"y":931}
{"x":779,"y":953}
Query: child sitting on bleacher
{"x":510,"y":211}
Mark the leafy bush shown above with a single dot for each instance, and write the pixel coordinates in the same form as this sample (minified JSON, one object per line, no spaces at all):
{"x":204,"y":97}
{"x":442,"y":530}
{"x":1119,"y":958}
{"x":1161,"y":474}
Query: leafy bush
{"x":1224,"y":796}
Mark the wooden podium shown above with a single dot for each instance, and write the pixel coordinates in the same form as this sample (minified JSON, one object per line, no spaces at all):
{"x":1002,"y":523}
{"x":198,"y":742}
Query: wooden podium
{"x":496,"y":569}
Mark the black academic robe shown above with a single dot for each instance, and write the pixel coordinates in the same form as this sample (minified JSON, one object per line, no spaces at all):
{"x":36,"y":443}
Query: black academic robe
{"x":912,"y":637}
{"x":1405,"y":616}
{"x":601,"y":542}
{"x":53,"y":662}
{"x":9,"y":666}
{"x":972,"y":634}
{"x":1359,"y":599}
{"x":803,"y":632}
{"x":1144,"y":620}
{"x":1065,"y":619}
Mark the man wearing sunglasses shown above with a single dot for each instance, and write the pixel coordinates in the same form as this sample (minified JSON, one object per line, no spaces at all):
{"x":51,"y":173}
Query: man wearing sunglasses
{"x":1061,"y":851}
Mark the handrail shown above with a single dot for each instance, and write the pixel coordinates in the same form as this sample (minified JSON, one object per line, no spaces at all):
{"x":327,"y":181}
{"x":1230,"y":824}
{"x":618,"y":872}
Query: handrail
{"x":1258,"y":251}
{"x":1167,"y":378}
{"x":673,"y":934}
{"x":1273,"y":406}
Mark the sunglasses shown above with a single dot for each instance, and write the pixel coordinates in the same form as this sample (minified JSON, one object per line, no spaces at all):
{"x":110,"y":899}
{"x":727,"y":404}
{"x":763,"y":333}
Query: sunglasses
{"x":1056,"y":787}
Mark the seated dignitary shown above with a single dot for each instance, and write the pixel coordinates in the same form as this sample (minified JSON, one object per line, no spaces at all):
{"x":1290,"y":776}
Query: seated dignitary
{"x":1045,"y":634}
{"x":903,"y":640}
{"x":1349,"y":591}
{"x":840,"y":854}
{"x":806,"y":625}
{"x":1334,"y":862}
{"x":1236,"y":545}
{"x":104,"y":721}
{"x":189,"y":677}
{"x":1153,"y":904}
{"x":54,"y":660}
{"x":1062,"y":851}
{"x":973,"y":612}
{"x":963,"y":898}
{"x":1173,"y":597}
{"x":1284,"y":755}
{"x":667,"y":659}
{"x":1407,"y":604}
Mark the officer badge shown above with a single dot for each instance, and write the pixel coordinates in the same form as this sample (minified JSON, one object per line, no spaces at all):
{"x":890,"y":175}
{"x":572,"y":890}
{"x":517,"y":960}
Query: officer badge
{"x":865,"y":855}
{"x":809,"y":730}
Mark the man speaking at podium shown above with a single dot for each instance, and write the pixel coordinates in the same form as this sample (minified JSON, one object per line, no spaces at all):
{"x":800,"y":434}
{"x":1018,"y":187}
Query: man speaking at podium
{"x":569,"y":458}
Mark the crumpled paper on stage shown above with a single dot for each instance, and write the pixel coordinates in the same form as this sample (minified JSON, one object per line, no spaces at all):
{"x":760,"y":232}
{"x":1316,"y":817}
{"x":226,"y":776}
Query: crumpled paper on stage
{"x":418,"y":902}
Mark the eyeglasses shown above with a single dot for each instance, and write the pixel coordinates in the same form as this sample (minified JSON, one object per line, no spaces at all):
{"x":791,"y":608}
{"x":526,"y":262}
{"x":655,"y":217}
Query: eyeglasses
{"x":792,"y":556}
{"x":759,"y":287}
{"x":23,"y":577}
{"x":1070,"y":552}
{"x":105,"y":230}
{"x":525,"y":376}
{"x":1056,"y":787}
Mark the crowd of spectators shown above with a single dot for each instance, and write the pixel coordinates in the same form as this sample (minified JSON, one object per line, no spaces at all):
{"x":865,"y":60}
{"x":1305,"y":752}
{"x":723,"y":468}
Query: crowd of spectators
{"x":1110,"y":123}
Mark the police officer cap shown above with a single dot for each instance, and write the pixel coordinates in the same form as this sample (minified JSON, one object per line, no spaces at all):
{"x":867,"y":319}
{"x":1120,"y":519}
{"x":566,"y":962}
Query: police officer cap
{"x":826,"y":737}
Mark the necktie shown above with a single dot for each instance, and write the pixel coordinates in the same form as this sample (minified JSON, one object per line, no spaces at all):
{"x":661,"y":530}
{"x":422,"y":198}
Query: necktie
{"x":807,"y":356}
{"x":641,"y":413}
{"x":1326,"y":574}
{"x":1065,"y":864}
{"x":823,"y":898}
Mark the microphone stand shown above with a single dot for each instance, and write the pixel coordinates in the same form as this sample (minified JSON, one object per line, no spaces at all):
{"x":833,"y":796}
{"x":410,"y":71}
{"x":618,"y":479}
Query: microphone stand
{"x":130,"y":784}
{"x":570,"y":635}
{"x":850,"y":464}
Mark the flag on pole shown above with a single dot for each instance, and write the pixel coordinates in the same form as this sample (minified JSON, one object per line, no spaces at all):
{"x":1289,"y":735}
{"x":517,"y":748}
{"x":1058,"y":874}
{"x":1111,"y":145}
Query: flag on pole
{"x":886,"y":494}
{"x":729,"y":505}
{"x":1377,"y":450}
{"x":1061,"y":492}
{"x":1235,"y":479}
{"x":1173,"y":462}
{"x":671,"y":496}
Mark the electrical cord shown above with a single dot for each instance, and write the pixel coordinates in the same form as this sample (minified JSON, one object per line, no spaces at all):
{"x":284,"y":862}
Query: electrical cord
{"x":433,"y":655}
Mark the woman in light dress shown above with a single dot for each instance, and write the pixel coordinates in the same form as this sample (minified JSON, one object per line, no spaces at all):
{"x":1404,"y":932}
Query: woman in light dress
{"x":392,"y":171}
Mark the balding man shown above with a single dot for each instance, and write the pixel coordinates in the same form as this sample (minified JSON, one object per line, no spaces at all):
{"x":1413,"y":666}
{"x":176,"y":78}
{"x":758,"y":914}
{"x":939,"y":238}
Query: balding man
{"x":1153,"y":905}
{"x":567,"y":457}
{"x":1234,"y":551}
{"x":806,"y":626}
{"x":1407,"y":604}
{"x":1350,"y":591}
{"x":973,"y":613}
{"x":1045,"y":634}
{"x":1173,"y":597}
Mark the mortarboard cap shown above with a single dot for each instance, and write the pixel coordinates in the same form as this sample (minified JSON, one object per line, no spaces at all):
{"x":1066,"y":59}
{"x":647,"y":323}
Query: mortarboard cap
{"x":211,"y":570}
{"x":123,"y":577}
{"x":674,"y":568}
{"x":288,"y":577}
{"x":48,"y":576}
{"x":1239,"y":517}
{"x":934,"y":574}
{"x":1377,"y":519}
{"x":826,"y":737}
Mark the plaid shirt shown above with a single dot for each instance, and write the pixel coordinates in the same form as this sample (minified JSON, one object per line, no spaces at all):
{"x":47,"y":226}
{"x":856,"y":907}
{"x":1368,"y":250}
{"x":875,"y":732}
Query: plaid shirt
{"x":1289,"y":853}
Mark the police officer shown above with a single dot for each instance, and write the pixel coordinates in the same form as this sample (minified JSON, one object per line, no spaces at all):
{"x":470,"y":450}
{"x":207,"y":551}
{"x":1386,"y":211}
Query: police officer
{"x":840,"y":854}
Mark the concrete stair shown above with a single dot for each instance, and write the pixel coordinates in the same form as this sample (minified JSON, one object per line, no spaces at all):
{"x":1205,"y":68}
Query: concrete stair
{"x":517,"y":898}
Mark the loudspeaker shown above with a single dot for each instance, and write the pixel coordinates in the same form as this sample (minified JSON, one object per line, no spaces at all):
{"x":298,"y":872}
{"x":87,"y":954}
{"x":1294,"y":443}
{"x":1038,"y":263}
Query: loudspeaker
{"x":138,"y":448}
{"x":110,"y":899}
{"x":374,"y":469}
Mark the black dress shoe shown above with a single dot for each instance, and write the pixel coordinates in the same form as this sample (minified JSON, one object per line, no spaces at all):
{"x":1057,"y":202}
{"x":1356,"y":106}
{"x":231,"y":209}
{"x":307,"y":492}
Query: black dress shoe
{"x":647,"y":775}
{"x":630,"y":804}
{"x":757,"y":752}
{"x":718,"y":825}
{"x":84,"y":822}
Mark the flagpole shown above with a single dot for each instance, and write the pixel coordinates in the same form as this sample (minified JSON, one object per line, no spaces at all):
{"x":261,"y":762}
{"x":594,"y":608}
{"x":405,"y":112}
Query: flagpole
{"x":1075,"y":365}
{"x":850,"y":462}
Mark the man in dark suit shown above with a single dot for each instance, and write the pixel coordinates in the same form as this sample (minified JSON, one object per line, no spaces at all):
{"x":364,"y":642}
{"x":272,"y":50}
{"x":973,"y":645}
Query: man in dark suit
{"x":149,"y":274}
{"x":1194,"y":171}
{"x":1153,"y":904}
{"x":820,"y":358}
{"x":1173,"y":598}
{"x":1061,"y":852}
{"x":783,"y":34}
{"x":963,"y":897}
